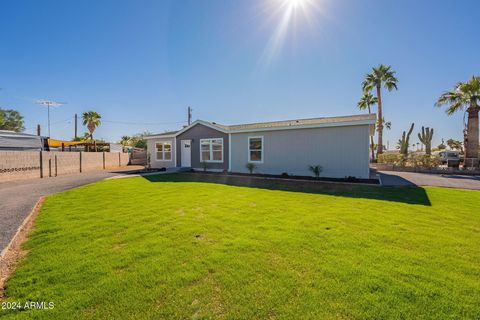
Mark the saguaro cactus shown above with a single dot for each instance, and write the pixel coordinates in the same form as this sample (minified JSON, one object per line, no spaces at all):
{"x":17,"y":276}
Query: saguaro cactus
{"x":426,"y":138}
{"x":404,"y":142}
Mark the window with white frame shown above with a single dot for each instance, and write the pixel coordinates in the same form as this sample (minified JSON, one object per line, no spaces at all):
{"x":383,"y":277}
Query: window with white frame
{"x":163,"y":151}
{"x":255,"y":149}
{"x":211,"y":150}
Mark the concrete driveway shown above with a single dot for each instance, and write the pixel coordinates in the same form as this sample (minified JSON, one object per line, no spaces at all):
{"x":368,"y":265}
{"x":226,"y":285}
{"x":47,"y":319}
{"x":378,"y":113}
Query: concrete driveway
{"x":393,"y":178}
{"x":17,"y":198}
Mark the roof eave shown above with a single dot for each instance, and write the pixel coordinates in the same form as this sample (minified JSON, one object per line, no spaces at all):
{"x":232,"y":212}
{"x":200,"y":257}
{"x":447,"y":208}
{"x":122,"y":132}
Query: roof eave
{"x":309,"y":126}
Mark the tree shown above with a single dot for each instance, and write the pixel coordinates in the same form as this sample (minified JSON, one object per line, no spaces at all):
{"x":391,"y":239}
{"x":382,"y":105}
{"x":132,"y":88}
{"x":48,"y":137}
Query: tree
{"x":442,"y":145}
{"x":125,"y":140}
{"x":465,"y":96}
{"x":366,"y":103}
{"x":91,"y":119}
{"x":11,"y":120}
{"x":381,"y":76}
{"x":455,"y":145}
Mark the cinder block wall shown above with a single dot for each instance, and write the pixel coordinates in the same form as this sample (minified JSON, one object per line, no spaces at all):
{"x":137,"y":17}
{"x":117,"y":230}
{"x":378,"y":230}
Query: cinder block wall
{"x":17,"y":165}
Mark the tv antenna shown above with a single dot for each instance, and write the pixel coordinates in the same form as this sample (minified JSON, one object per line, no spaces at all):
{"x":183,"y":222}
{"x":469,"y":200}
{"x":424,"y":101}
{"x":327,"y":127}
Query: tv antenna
{"x":49,"y":104}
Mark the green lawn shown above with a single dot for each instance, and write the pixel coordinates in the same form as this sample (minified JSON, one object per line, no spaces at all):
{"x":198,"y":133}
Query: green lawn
{"x":173,"y":247}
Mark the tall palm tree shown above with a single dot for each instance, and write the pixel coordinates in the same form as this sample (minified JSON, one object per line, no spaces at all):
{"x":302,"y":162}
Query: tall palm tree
{"x":465,"y":96}
{"x":91,"y":119}
{"x":381,"y":76}
{"x":366,"y":103}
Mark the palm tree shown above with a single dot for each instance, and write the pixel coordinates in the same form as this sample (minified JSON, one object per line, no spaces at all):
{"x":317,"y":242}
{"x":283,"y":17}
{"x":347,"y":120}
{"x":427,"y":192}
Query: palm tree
{"x":465,"y":95}
{"x":125,"y":140}
{"x":91,"y":119}
{"x":366,"y":102}
{"x":380,"y":76}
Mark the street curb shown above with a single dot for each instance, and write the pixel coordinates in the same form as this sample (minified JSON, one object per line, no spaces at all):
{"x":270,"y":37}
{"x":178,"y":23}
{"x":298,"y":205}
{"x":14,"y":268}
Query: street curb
{"x":12,"y":252}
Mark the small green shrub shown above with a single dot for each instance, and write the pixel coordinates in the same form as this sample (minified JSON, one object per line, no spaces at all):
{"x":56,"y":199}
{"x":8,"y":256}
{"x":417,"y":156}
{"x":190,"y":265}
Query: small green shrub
{"x":251,"y":167}
{"x":316,"y":170}
{"x":204,"y":166}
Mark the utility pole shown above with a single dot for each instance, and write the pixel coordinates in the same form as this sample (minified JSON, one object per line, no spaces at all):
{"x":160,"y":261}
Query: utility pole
{"x":49,"y":104}
{"x":39,"y":132}
{"x":189,"y":115}
{"x":75,"y":126}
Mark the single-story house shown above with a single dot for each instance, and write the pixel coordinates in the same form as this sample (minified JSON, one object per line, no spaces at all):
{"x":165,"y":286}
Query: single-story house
{"x":339,"y":144}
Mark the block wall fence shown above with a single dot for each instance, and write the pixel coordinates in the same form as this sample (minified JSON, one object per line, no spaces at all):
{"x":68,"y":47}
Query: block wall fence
{"x":17,"y":165}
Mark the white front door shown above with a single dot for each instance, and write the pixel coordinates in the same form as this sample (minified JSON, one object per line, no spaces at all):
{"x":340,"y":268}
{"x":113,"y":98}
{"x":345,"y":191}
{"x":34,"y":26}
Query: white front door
{"x":186,"y":155}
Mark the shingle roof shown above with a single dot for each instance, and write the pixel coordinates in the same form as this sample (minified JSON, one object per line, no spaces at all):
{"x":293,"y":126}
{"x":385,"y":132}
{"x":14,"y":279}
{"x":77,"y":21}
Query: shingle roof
{"x":301,"y":122}
{"x":285,"y":123}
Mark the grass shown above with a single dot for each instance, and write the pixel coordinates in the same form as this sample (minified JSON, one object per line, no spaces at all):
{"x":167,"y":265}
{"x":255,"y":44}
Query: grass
{"x":173,"y":247}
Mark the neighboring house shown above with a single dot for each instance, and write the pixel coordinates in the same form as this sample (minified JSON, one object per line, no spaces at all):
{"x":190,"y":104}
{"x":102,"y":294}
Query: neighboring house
{"x":339,"y":144}
{"x":17,"y":141}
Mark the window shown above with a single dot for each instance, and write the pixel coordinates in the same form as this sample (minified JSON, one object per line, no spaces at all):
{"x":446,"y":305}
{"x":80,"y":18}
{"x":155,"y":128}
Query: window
{"x":211,"y":150}
{"x":164,"y":151}
{"x":255,"y":149}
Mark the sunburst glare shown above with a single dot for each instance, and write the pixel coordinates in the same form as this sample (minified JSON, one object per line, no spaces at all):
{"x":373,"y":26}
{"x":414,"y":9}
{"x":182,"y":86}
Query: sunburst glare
{"x":289,"y":14}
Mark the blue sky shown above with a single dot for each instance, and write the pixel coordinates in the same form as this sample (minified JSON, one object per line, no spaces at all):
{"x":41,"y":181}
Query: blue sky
{"x":141,"y":63}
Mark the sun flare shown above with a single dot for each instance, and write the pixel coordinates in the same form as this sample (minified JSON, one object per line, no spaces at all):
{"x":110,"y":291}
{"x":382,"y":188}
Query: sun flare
{"x":289,"y":15}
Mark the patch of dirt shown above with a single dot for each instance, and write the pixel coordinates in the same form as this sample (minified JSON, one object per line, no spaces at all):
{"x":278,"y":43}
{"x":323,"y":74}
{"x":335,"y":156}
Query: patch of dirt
{"x":13,"y":253}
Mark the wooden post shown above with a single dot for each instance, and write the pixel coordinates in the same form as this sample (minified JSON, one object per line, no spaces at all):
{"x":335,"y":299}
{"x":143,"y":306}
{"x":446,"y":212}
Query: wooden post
{"x":80,"y":161}
{"x":103,"y":160}
{"x":56,"y":165}
{"x":119,"y":160}
{"x":50,"y":167}
{"x":41,"y":164}
{"x":63,"y":146}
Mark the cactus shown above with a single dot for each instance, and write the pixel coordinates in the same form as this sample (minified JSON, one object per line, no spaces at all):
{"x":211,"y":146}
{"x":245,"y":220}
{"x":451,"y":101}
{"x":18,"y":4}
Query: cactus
{"x":426,"y":138}
{"x":404,"y":142}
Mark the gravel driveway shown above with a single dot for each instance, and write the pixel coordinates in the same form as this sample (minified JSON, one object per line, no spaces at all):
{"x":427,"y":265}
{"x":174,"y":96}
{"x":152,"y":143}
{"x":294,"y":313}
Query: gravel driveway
{"x":17,"y":198}
{"x":394,"y":178}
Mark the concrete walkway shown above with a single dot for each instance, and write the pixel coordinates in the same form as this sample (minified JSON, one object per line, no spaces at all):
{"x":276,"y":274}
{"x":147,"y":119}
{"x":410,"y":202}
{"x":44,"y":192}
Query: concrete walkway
{"x":17,"y":198}
{"x":394,"y":178}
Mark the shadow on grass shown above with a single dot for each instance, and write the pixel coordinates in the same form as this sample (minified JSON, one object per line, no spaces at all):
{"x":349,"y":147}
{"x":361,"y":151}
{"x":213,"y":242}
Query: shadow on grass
{"x":408,"y":195}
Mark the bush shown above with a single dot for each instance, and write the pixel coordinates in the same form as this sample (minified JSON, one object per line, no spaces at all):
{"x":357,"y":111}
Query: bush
{"x":204,"y":166}
{"x":391,"y":158}
{"x":285,"y":174}
{"x":250,"y":167}
{"x":316,"y":170}
{"x":421,"y":160}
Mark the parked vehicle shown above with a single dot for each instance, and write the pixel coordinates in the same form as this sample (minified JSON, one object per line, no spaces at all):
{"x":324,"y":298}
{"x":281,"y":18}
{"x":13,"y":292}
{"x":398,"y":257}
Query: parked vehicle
{"x":449,"y":157}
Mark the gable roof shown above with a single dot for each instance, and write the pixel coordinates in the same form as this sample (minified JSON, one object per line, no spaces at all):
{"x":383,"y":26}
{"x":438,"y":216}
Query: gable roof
{"x":361,"y":119}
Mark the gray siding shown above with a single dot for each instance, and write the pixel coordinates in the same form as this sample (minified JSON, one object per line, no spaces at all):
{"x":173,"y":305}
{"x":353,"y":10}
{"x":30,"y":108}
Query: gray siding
{"x":196,"y":133}
{"x":341,"y":151}
{"x":151,"y":151}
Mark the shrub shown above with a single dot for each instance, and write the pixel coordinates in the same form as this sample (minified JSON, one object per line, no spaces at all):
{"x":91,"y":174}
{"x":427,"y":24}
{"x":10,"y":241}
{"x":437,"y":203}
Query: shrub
{"x":423,"y":160}
{"x":204,"y":166}
{"x":285,"y":174}
{"x":250,"y":167}
{"x":391,"y":158}
{"x":316,"y":170}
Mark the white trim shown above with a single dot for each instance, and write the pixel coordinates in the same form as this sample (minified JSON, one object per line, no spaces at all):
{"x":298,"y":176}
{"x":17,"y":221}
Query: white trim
{"x":206,"y":124}
{"x":229,"y":152}
{"x":308,"y":126}
{"x":248,"y":149}
{"x":211,"y":150}
{"x":163,"y":151}
{"x":174,"y":151}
